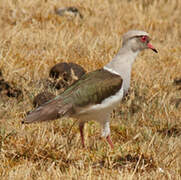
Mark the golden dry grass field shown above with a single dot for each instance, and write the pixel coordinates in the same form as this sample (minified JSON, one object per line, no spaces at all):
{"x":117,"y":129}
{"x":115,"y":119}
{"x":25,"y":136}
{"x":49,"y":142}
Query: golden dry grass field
{"x":146,"y":128}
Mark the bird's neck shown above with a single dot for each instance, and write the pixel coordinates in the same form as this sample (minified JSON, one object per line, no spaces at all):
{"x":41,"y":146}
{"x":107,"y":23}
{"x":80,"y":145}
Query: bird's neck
{"x":122,"y":64}
{"x":125,"y":57}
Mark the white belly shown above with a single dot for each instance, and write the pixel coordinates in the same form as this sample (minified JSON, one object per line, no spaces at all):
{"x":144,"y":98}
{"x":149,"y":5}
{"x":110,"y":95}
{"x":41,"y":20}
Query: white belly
{"x":95,"y":112}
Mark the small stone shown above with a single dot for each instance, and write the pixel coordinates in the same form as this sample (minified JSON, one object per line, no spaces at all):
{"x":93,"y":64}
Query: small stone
{"x":6,"y":89}
{"x":177,"y":81}
{"x":68,"y":11}
{"x":65,"y":74}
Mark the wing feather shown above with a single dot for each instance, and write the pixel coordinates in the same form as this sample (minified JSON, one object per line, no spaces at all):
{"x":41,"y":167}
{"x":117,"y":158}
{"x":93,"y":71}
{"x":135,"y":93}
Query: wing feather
{"x":92,"y":88}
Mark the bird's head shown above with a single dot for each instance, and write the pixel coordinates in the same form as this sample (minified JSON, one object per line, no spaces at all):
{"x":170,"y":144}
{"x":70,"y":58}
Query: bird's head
{"x":137,"y":41}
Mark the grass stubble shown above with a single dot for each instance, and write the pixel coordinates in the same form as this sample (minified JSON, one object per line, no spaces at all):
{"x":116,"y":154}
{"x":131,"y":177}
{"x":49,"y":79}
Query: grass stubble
{"x":145,"y":128}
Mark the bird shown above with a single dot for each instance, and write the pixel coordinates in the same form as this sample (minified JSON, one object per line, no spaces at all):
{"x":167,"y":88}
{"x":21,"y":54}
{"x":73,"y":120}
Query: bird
{"x":97,"y":93}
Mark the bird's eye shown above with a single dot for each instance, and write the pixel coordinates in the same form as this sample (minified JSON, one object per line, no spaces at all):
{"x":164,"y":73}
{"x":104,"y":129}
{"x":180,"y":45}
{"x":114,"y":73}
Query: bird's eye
{"x":144,"y":38}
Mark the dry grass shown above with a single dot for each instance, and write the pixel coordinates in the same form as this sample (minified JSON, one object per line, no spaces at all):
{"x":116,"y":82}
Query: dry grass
{"x":146,"y":128}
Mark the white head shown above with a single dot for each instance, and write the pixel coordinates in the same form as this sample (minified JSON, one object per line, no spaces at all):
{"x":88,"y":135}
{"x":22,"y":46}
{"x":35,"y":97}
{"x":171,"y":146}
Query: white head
{"x":137,"y":41}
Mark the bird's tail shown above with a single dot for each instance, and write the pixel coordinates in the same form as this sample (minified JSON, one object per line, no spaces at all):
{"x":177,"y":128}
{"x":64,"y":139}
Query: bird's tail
{"x":49,"y":111}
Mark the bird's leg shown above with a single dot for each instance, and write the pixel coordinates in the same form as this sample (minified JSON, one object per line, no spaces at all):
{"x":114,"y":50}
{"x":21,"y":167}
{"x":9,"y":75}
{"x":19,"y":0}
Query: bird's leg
{"x":108,"y":138}
{"x":81,"y":129}
{"x":106,"y":130}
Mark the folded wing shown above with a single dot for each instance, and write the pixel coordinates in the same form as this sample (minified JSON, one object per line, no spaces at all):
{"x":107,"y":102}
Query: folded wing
{"x":90,"y":89}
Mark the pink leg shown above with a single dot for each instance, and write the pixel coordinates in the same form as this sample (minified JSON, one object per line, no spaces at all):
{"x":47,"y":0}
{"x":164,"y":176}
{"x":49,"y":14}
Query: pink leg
{"x":81,"y":129}
{"x":109,"y":141}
